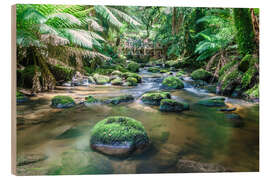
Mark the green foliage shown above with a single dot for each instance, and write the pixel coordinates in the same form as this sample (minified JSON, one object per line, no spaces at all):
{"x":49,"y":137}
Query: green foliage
{"x":133,"y":67}
{"x":244,"y":28}
{"x":172,"y":82}
{"x":244,"y":63}
{"x":90,"y":100}
{"x":61,"y":73}
{"x":253,"y":92}
{"x":118,"y":130}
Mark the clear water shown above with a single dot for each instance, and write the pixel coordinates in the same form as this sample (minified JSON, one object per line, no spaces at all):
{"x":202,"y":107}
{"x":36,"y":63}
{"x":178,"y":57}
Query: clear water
{"x":196,"y":134}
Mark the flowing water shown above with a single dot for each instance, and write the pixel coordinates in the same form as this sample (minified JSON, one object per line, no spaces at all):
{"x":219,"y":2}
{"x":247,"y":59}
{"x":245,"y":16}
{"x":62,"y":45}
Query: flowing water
{"x":196,"y":134}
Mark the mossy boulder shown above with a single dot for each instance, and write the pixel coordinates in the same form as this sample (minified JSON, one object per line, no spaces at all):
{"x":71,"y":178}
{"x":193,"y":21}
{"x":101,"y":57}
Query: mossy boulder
{"x":61,"y":73}
{"x":90,"y":100}
{"x":153,"y":69}
{"x":173,"y":63}
{"x":20,"y":97}
{"x":101,"y":79}
{"x":121,"y":99}
{"x":170,"y":105}
{"x":180,"y":73}
{"x":155,"y":98}
{"x":91,"y":79}
{"x":117,"y":73}
{"x":213,"y":102}
{"x":117,"y":81}
{"x":131,"y":81}
{"x":172,"y":82}
{"x":133,"y":67}
{"x":134,"y":75}
{"x":119,"y":136}
{"x":164,"y":71}
{"x":201,"y":74}
{"x":62,"y":102}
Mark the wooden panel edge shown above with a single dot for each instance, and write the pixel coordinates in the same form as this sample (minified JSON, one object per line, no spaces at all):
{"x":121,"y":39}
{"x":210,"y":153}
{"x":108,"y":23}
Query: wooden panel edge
{"x":13,"y":90}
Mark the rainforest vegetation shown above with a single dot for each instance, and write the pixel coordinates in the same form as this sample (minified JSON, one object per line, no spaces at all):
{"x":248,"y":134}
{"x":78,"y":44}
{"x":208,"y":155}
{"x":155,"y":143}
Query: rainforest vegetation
{"x":177,"y":87}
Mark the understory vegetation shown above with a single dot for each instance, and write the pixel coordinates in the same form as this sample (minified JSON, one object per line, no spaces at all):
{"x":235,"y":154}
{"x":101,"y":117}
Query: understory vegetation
{"x":216,"y":45}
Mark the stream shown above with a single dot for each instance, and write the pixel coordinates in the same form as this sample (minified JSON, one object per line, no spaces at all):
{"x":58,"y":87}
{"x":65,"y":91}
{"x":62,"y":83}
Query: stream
{"x":196,"y":134}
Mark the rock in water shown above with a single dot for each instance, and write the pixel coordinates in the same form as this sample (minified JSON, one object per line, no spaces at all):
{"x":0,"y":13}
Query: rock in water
{"x":172,"y":82}
{"x":62,"y":102}
{"x":155,"y":98}
{"x":170,"y":105}
{"x":120,"y":99}
{"x":119,"y":136}
{"x":213,"y":101}
{"x":100,"y":79}
{"x":188,"y":166}
{"x":201,"y":74}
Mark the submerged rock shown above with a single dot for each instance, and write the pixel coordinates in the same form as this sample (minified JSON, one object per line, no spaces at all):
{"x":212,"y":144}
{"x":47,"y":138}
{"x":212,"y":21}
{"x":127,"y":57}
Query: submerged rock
{"x":155,"y":98}
{"x":101,"y":79}
{"x":119,"y":136}
{"x":134,"y":75}
{"x":213,"y":101}
{"x":170,"y":105}
{"x":117,"y":73}
{"x":120,"y":99}
{"x":172,"y":82}
{"x":153,"y":70}
{"x":90,"y":100}
{"x":201,"y":74}
{"x":62,"y":102}
{"x":188,"y":166}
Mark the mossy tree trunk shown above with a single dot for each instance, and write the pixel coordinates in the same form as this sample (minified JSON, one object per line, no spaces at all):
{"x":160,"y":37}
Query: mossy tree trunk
{"x":244,"y":28}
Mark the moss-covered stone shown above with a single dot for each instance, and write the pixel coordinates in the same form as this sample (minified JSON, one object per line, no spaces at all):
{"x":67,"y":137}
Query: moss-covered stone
{"x":121,"y":99}
{"x":133,"y":67}
{"x":134,"y":75}
{"x":173,"y":63}
{"x":180,"y":73}
{"x":101,"y":79}
{"x":164,"y":71}
{"x":117,"y":135}
{"x":201,"y":74}
{"x":117,"y":81}
{"x":213,"y":102}
{"x":117,"y":73}
{"x":20,"y":97}
{"x":61,"y":73}
{"x":62,"y":102}
{"x":90,"y":100}
{"x":155,"y":98}
{"x":170,"y":105}
{"x":153,"y":69}
{"x":131,"y":81}
{"x":172,"y":82}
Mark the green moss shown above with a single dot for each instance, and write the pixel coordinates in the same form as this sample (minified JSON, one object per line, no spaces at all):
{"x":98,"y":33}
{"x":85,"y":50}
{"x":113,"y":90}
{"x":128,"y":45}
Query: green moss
{"x":201,"y":74}
{"x":20,"y":97}
{"x":155,"y":98}
{"x":229,"y":78}
{"x":117,"y":73}
{"x":153,"y":69}
{"x":164,"y":71}
{"x":132,"y":81}
{"x":133,"y":67}
{"x":172,"y":82}
{"x":253,"y":92}
{"x":61,"y":73}
{"x":250,"y":73}
{"x":134,"y":75}
{"x":62,"y":102}
{"x":244,"y":63}
{"x":170,"y":105}
{"x":100,"y":79}
{"x":118,"y":130}
{"x":120,"y":99}
{"x":180,"y":73}
{"x":90,"y":100}
{"x":227,"y":67}
{"x":173,"y":63}
{"x":117,"y":81}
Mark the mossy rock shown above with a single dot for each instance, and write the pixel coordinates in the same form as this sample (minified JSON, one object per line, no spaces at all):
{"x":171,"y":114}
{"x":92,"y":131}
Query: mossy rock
{"x":117,"y":81}
{"x":119,"y":136}
{"x":155,"y":98}
{"x":170,"y":105}
{"x":131,"y":81}
{"x":133,"y":67}
{"x":173,"y":63}
{"x":153,"y":70}
{"x":91,"y":79}
{"x":117,"y":73}
{"x":20,"y":97}
{"x":180,"y":73}
{"x":213,"y":102}
{"x":201,"y":74}
{"x":121,"y":99}
{"x":61,"y":73}
{"x":101,"y":79}
{"x":62,"y":102}
{"x":253,"y":92}
{"x":164,"y":71}
{"x":172,"y":82}
{"x":90,"y":100}
{"x":134,"y":75}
